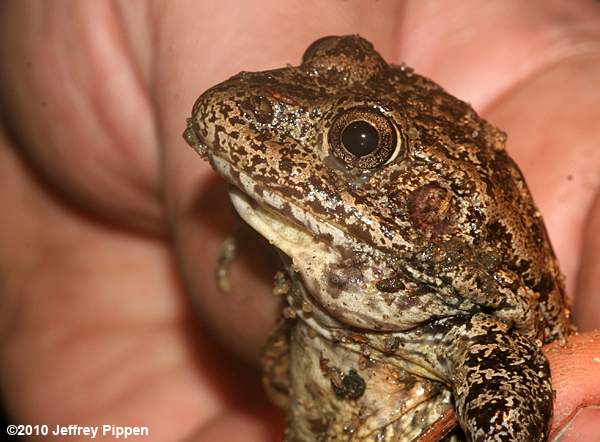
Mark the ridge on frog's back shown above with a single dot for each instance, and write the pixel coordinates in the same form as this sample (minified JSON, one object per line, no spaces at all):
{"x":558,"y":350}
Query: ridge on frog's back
{"x":421,"y":273}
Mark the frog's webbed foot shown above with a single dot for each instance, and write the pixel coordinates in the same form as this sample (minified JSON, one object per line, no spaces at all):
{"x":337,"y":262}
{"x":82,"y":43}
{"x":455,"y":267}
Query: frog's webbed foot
{"x":501,"y":382}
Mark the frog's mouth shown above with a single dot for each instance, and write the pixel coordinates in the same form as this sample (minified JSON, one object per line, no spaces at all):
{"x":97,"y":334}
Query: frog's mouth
{"x":288,"y":227}
{"x":283,"y":234}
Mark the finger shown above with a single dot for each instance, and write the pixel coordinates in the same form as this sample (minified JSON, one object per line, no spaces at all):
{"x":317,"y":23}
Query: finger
{"x":92,"y":316}
{"x":586,"y":308}
{"x":464,"y":53}
{"x":89,"y":311}
{"x":575,"y":368}
{"x":75,"y":100}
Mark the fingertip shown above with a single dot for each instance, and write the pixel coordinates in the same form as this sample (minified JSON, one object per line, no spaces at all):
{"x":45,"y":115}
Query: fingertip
{"x":575,"y":368}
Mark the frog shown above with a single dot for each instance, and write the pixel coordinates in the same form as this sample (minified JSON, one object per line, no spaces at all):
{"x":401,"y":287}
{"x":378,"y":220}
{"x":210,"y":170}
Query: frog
{"x":419,"y":280}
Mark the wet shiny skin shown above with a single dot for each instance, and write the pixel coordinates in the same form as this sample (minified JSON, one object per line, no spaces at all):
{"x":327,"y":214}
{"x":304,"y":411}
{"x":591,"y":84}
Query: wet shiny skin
{"x":419,"y":270}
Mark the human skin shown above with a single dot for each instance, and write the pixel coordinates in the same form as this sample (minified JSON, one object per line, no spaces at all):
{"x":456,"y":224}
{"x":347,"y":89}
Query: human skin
{"x":111,"y":223}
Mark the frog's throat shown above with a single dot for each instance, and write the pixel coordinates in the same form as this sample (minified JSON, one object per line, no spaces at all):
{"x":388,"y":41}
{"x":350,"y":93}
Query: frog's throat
{"x":283,"y":223}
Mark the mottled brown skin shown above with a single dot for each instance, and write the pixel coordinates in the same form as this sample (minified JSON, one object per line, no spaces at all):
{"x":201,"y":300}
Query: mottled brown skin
{"x":421,"y":277}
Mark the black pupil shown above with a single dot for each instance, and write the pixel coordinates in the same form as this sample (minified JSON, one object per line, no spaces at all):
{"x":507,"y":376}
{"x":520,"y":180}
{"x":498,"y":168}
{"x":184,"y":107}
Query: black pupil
{"x":360,"y":138}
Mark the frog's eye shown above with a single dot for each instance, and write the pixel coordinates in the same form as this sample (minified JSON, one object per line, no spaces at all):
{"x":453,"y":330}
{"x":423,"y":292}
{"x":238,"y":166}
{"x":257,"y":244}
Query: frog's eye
{"x":364,"y":138}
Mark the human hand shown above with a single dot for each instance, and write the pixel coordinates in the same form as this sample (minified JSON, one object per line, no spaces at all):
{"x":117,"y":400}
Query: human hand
{"x":108,"y":214}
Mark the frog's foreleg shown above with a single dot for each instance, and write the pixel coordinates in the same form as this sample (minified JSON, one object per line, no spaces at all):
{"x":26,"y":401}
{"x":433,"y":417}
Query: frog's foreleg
{"x":275,"y":364}
{"x":500,"y":380}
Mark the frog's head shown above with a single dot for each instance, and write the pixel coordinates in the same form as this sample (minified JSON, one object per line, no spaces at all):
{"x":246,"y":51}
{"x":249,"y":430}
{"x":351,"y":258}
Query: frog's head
{"x":395,"y":201}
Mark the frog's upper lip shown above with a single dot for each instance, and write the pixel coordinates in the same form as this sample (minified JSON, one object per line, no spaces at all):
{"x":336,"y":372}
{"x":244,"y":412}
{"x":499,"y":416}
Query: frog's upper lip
{"x":276,"y":214}
{"x":286,"y":236}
